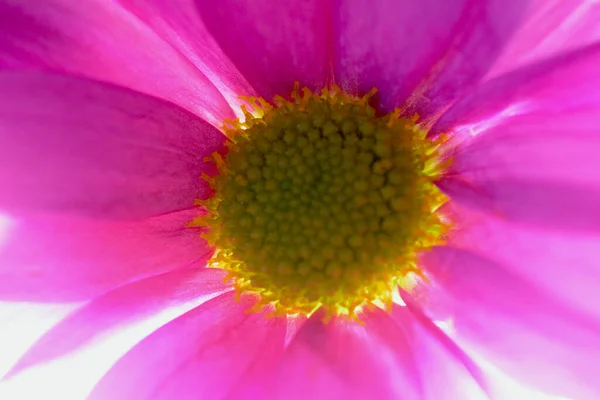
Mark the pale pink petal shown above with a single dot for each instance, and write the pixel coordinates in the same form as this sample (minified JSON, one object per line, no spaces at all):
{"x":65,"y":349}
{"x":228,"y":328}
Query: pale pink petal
{"x":345,"y":360}
{"x":199,"y":355}
{"x":100,"y":39}
{"x":84,"y":147}
{"x":517,"y":326}
{"x":120,"y":307}
{"x":273,"y":43}
{"x":22,"y":325}
{"x":56,"y":258}
{"x":536,"y":169}
{"x":179,"y":23}
{"x":566,"y":264}
{"x":566,"y":82}
{"x":550,"y":28}
{"x":425,"y":52}
{"x":453,"y":371}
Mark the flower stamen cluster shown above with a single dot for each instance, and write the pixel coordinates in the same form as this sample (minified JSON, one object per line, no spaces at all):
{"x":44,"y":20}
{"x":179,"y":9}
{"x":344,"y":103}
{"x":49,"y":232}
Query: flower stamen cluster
{"x":321,"y":203}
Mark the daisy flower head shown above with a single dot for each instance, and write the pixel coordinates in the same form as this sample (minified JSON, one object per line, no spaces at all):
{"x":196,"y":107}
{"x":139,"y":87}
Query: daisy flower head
{"x":256,"y":199}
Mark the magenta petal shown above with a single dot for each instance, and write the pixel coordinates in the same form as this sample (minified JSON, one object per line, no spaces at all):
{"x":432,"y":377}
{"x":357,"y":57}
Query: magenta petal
{"x":344,"y":360}
{"x":425,"y":52}
{"x":123,"y":306}
{"x":55,"y":258}
{"x":550,"y":28}
{"x":201,"y":354}
{"x":257,"y":380}
{"x":515,"y":325}
{"x":178,"y":23}
{"x":535,"y":169}
{"x":79,"y":146}
{"x":566,"y":82}
{"x":72,"y":36}
{"x":565,"y":264}
{"x":273,"y":43}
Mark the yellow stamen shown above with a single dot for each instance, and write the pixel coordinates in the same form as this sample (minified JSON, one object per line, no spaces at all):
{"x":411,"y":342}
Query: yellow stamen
{"x":321,"y":203}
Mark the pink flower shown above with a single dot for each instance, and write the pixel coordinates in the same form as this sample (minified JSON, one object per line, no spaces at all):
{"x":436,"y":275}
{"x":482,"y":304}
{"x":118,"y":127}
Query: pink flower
{"x":108,"y":109}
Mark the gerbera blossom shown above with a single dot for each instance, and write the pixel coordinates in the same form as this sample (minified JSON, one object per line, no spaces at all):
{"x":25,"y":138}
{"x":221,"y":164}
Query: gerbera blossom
{"x":160,"y":155}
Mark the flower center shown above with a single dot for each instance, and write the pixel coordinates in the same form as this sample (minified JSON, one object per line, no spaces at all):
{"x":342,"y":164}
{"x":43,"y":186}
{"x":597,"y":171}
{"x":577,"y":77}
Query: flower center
{"x":321,"y":203}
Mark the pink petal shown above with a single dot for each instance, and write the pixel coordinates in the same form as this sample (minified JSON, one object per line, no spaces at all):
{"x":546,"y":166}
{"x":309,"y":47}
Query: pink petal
{"x":56,"y":258}
{"x":344,"y":360}
{"x":178,"y":23}
{"x":550,"y":28}
{"x":564,"y":264}
{"x":256,"y":383}
{"x":567,"y":82}
{"x":120,"y":307}
{"x":79,"y":146}
{"x":453,"y":370}
{"x":535,"y":169}
{"x":273,"y":43}
{"x":22,"y":325}
{"x":526,"y":209}
{"x":513,"y":324}
{"x":425,"y":52}
{"x":198,"y":355}
{"x":72,"y":37}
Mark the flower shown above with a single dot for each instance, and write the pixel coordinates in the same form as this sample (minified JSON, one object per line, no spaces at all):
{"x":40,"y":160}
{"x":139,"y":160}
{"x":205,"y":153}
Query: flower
{"x":111,"y":112}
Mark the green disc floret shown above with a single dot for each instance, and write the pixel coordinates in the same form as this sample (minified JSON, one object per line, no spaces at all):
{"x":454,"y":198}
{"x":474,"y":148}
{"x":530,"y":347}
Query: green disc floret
{"x":319,"y":202}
